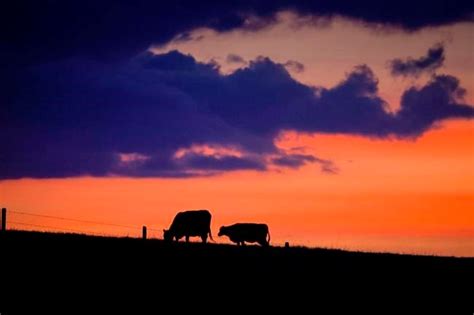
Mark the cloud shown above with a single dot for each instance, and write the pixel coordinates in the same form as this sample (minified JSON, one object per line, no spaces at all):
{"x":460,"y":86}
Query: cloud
{"x":39,"y":31}
{"x":177,"y":62}
{"x":170,"y":116}
{"x":186,"y":37}
{"x":298,"y":160}
{"x":233,"y":58}
{"x":422,"y":108}
{"x":414,"y":67}
{"x":183,"y":37}
{"x":294,"y":66}
{"x":293,"y":160}
{"x":223,"y":163}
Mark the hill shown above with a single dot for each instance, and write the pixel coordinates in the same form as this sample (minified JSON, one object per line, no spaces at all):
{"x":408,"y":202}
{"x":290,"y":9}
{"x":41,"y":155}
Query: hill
{"x":41,"y":266}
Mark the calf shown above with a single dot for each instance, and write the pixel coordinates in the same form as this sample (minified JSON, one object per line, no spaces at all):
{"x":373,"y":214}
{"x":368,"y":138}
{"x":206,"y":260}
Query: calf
{"x":247,"y":232}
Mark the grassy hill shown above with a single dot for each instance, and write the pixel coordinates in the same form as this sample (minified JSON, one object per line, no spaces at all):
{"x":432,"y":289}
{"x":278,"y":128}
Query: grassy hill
{"x":41,"y":266}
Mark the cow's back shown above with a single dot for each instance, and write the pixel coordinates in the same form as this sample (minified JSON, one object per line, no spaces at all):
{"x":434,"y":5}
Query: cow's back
{"x":191,"y":222}
{"x":251,"y":232}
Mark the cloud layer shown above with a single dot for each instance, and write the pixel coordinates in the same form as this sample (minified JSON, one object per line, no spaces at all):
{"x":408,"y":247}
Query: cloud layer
{"x":36,"y":31}
{"x":170,"y":116}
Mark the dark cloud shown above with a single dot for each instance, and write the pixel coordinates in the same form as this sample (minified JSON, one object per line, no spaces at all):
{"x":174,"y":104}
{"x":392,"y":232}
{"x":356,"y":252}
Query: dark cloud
{"x":221,"y":163}
{"x":328,"y":166}
{"x":83,"y":117}
{"x":298,"y":160}
{"x":186,"y":37}
{"x":183,"y":37}
{"x":421,"y":108}
{"x":233,"y":58}
{"x":294,"y":66}
{"x":177,"y":62}
{"x":37,"y":31}
{"x":293,"y":160}
{"x":414,"y":67}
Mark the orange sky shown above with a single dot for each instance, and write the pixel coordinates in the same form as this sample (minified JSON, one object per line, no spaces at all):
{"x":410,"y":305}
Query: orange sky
{"x":411,"y":196}
{"x":398,"y":196}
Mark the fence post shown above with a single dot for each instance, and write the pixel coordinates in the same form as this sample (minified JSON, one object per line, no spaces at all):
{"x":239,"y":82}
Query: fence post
{"x":4,"y":219}
{"x":144,"y":232}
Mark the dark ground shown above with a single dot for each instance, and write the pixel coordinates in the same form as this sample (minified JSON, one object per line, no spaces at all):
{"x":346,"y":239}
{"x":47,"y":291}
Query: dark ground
{"x":41,"y":271}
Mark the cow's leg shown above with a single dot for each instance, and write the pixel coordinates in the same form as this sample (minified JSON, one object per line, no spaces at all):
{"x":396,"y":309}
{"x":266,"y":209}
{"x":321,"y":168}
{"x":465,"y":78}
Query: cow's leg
{"x":187,"y":238}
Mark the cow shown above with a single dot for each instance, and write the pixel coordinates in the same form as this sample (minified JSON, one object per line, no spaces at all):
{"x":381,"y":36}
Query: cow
{"x":189,"y":223}
{"x":240,"y":233}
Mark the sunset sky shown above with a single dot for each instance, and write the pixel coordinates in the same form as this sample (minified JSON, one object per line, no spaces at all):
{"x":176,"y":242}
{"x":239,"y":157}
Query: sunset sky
{"x":339,"y":125}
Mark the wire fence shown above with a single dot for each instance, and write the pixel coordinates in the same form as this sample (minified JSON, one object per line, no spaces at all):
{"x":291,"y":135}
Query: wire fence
{"x":28,"y":220}
{"x":51,"y":228}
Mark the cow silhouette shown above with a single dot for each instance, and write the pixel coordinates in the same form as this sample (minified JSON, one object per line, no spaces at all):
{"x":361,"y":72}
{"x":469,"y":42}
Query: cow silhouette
{"x":189,"y":223}
{"x":240,"y":233}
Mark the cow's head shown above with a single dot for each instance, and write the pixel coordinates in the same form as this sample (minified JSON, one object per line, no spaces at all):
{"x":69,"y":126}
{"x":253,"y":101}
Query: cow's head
{"x":167,"y":236}
{"x":222,"y":231}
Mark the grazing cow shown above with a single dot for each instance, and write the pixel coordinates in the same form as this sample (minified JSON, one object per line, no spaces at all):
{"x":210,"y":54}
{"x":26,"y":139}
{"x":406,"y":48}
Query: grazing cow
{"x":247,"y":232}
{"x":189,"y":223}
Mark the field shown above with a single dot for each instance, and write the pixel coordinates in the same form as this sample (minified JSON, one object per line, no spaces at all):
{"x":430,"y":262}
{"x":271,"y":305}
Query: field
{"x":44,"y":268}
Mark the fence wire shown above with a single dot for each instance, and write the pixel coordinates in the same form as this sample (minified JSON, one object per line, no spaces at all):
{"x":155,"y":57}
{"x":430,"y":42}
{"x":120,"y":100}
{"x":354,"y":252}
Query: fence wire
{"x":136,"y":229}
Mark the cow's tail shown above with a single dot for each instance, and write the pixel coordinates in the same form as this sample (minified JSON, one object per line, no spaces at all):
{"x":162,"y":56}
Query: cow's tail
{"x":210,"y":235}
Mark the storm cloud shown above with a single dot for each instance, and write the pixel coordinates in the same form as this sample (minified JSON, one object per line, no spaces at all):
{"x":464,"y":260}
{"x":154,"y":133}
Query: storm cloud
{"x":169,"y":115}
{"x":39,"y":31}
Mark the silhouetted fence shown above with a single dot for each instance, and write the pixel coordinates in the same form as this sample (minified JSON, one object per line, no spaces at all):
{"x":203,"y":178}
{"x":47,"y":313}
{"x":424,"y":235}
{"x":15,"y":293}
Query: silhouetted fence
{"x":4,"y":219}
{"x":23,"y":225}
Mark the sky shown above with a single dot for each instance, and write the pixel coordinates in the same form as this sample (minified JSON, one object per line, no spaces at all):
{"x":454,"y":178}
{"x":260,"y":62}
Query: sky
{"x":339,"y":125}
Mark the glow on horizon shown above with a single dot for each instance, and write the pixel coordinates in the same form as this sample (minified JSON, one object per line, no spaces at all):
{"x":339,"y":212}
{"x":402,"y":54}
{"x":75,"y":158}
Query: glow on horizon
{"x":390,"y":195}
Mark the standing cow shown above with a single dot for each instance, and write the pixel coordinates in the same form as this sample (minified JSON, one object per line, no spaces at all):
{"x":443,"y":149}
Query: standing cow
{"x":247,"y":232}
{"x":189,"y":223}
